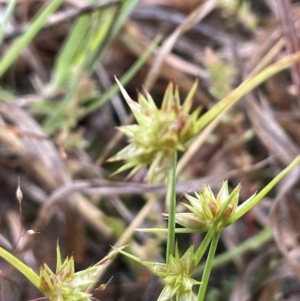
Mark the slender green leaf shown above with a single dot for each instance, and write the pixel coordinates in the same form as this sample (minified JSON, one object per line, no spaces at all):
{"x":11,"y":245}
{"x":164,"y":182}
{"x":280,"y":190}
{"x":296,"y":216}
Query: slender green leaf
{"x":21,"y":267}
{"x":75,"y":42}
{"x":251,"y":244}
{"x":16,"y":48}
{"x":247,"y":205}
{"x":248,"y":85}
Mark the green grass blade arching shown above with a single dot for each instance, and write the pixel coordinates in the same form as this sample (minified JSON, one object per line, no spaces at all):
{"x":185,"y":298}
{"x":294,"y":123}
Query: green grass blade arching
{"x":21,"y":267}
{"x":100,"y":36}
{"x":248,"y":85}
{"x":79,"y":62}
{"x":115,"y":19}
{"x":127,"y":8}
{"x":52,"y":122}
{"x":92,"y":34}
{"x":87,"y":36}
{"x":15,"y":49}
{"x":247,"y":205}
{"x":65,"y":61}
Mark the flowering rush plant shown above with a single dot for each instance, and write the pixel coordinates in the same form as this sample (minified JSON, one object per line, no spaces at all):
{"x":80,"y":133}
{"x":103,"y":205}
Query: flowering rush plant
{"x":154,"y":142}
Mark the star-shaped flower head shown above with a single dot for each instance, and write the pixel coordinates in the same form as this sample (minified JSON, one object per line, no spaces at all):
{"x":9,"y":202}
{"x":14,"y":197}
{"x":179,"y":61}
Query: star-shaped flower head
{"x":158,"y":132}
{"x":205,"y":208}
{"x":65,"y":284}
{"x":176,"y":275}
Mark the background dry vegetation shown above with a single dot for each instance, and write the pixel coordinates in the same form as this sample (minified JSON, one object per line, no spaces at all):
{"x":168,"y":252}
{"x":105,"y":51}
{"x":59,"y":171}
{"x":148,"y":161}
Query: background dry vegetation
{"x":58,"y":127}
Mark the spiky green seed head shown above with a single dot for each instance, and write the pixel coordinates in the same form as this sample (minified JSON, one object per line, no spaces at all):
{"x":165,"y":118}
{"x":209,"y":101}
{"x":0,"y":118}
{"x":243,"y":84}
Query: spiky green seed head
{"x":177,"y":276}
{"x":205,"y":208}
{"x":65,"y":284}
{"x":158,"y":132}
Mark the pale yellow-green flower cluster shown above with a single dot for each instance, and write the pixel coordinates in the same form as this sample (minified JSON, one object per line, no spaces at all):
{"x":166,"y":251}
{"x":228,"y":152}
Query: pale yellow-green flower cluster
{"x":176,"y":275}
{"x":158,"y":132}
{"x":205,"y":208}
{"x":65,"y":284}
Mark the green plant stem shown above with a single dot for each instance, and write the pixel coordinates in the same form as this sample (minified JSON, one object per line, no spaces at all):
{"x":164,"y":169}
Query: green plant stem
{"x":246,"y":86}
{"x":251,"y":244}
{"x":208,"y":266}
{"x":21,"y":267}
{"x":204,"y":244}
{"x":171,"y":205}
{"x":250,"y":203}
